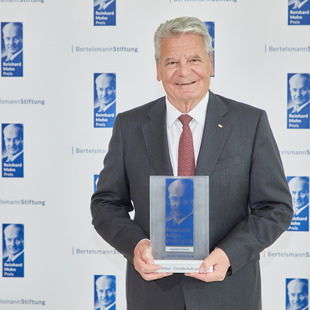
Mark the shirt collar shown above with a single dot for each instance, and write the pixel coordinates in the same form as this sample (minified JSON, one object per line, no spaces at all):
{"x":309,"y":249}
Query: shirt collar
{"x":12,"y":258}
{"x":298,"y":108}
{"x":13,"y":56}
{"x":109,"y":306}
{"x":301,"y":209}
{"x":180,"y":221}
{"x":198,"y":113}
{"x":12,"y":158}
{"x":104,"y":107}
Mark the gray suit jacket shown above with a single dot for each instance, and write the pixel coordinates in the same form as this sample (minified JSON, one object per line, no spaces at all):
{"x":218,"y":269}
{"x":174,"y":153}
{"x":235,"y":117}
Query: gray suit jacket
{"x":250,"y":204}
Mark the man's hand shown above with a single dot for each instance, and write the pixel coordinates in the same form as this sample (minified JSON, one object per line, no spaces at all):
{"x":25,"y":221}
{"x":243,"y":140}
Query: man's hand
{"x":220,"y":262}
{"x":144,"y":262}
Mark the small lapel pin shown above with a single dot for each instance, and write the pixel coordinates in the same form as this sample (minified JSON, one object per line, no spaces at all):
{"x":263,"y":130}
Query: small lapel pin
{"x":219,"y":125}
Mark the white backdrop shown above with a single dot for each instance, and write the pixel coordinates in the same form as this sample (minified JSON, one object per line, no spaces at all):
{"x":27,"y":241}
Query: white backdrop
{"x":63,"y":151}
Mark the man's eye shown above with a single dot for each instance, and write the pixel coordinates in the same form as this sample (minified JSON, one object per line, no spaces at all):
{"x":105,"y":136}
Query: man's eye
{"x":171,"y":63}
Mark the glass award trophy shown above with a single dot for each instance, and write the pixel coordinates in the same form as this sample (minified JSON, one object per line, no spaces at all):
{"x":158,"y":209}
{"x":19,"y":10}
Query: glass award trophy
{"x":179,"y":222}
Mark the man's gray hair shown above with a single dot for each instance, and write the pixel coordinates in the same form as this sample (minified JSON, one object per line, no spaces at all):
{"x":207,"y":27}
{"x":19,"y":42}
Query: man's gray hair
{"x":178,"y":26}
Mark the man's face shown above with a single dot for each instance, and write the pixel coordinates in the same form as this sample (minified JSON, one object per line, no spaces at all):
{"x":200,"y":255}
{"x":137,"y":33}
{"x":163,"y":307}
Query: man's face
{"x":300,"y":92}
{"x":105,"y":291}
{"x":298,"y":297}
{"x":105,"y":90}
{"x":12,"y":139}
{"x":184,"y":69}
{"x":13,"y":240}
{"x":299,"y":192}
{"x":12,"y":40}
{"x":180,"y":204}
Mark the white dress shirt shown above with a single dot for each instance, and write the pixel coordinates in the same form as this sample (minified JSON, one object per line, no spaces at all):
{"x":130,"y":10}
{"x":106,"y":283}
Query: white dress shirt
{"x":12,"y":158}
{"x":174,"y":129}
{"x":11,"y":57}
{"x":12,"y":258}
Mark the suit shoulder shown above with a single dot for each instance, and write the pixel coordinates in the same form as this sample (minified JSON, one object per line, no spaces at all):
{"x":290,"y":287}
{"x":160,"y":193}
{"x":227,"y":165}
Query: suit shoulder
{"x":243,"y":112}
{"x":238,"y":106}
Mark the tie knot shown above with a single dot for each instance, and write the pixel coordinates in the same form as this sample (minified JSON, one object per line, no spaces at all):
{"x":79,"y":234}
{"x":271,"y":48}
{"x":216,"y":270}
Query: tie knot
{"x":185,"y":119}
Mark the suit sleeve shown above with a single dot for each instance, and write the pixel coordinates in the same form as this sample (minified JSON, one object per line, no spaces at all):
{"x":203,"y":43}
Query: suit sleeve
{"x":269,"y":202}
{"x":111,"y":203}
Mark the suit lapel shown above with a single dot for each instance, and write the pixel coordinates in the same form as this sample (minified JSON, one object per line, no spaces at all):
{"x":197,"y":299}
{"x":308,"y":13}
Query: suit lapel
{"x":216,"y":129}
{"x":155,"y":137}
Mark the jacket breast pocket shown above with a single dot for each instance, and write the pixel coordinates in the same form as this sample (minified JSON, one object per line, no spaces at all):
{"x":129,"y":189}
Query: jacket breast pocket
{"x":228,"y":162}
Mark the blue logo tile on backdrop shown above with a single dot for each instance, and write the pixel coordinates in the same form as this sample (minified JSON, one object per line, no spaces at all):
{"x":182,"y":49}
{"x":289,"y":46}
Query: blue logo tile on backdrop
{"x":13,"y":250}
{"x":104,"y":99}
{"x":12,"y":150}
{"x":298,"y":100}
{"x":299,"y":188}
{"x":299,"y":12}
{"x":96,"y":177}
{"x":11,"y":49}
{"x":104,"y":12}
{"x":211,"y":26}
{"x":296,"y":294}
{"x":104,"y":292}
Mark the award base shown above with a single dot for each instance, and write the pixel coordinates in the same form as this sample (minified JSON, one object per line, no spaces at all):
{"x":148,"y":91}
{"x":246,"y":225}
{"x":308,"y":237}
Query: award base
{"x":179,"y":266}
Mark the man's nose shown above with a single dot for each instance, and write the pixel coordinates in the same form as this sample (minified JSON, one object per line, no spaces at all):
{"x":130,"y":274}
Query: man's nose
{"x":10,"y":41}
{"x":298,"y":196}
{"x":12,"y":243}
{"x":176,"y":203}
{"x":184,"y":68}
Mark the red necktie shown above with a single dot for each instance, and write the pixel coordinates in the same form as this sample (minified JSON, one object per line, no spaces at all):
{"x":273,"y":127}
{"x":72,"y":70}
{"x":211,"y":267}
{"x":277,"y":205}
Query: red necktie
{"x":186,"y":157}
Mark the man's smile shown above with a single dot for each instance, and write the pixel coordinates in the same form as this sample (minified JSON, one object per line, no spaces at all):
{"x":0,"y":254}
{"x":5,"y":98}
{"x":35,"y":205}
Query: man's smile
{"x":184,"y":84}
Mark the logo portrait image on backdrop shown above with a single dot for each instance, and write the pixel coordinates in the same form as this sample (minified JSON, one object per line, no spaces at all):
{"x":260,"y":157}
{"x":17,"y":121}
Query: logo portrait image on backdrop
{"x":11,"y":49}
{"x":299,"y":12}
{"x":105,"y":292}
{"x":297,"y":294}
{"x":104,"y":100}
{"x":299,"y":188}
{"x":298,"y":99}
{"x":211,"y":29}
{"x":12,"y":150}
{"x":96,"y":177}
{"x":104,"y":12}
{"x":13,"y":250}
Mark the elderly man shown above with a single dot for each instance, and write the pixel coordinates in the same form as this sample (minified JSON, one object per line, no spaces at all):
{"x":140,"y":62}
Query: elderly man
{"x":12,"y":55}
{"x":105,"y":289}
{"x":232,"y":143}
{"x":13,"y":140}
{"x":105,"y":105}
{"x":106,"y":91}
{"x":181,"y":201}
{"x":14,"y":243}
{"x":179,"y":221}
{"x":299,"y":188}
{"x":13,"y":41}
{"x":297,"y":291}
{"x":300,"y":93}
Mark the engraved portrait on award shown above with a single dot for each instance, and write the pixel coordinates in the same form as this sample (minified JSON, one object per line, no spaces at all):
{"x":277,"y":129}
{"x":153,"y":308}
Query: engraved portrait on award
{"x":179,"y":215}
{"x":179,"y":222}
